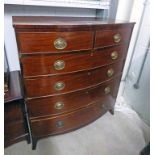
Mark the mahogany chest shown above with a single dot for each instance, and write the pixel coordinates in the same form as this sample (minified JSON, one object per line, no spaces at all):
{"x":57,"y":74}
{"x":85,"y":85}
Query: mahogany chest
{"x":71,"y":68}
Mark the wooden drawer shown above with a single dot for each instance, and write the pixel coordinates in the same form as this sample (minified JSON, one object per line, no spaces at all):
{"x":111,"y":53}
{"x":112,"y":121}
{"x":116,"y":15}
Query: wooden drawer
{"x":13,"y":112}
{"x":67,"y":122}
{"x":54,"y":85}
{"x":33,"y":42}
{"x":45,"y":64}
{"x":112,"y":37}
{"x":72,"y":101}
{"x":14,"y":130}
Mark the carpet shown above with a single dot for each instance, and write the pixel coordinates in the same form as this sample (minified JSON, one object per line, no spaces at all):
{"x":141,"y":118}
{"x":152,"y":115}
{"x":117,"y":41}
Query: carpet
{"x":123,"y":133}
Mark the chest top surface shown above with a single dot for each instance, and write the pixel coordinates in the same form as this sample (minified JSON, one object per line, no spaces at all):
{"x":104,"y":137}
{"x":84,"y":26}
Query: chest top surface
{"x":65,"y":22}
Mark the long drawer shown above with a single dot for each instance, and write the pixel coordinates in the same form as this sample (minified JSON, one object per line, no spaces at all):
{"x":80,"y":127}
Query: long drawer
{"x":65,"y":103}
{"x":68,"y":122}
{"x":36,"y":42}
{"x":54,"y":85}
{"x":65,"y":63}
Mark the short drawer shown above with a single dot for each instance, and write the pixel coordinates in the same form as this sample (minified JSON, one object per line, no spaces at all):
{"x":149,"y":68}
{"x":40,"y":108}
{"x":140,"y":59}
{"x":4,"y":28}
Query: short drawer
{"x":112,"y":37}
{"x":59,"y":84}
{"x":66,"y":103}
{"x":71,"y":62}
{"x":34,"y":42}
{"x":68,"y":122}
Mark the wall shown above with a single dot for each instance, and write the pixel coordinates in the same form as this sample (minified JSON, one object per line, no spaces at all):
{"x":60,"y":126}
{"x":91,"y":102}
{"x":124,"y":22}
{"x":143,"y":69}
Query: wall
{"x":139,"y":98}
{"x":124,"y":9}
{"x":20,"y":10}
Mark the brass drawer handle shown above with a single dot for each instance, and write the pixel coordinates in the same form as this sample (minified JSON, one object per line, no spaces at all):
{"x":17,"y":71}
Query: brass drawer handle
{"x":107,"y":90}
{"x":60,"y":43}
{"x":59,"y":105}
{"x":59,"y":85}
{"x":59,"y":124}
{"x":110,"y":72}
{"x":117,"y":38}
{"x":114,"y":55}
{"x":59,"y":65}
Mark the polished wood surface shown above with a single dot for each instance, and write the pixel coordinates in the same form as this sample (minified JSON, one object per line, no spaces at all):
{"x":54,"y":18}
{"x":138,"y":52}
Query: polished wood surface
{"x":46,"y":106}
{"x":44,"y":42}
{"x":14,"y":131}
{"x":71,"y":68}
{"x":106,"y":37}
{"x":68,"y":23}
{"x":36,"y":65}
{"x":73,"y":82}
{"x":13,"y":112}
{"x":15,"y":125}
{"x":15,"y":92}
{"x":71,"y":121}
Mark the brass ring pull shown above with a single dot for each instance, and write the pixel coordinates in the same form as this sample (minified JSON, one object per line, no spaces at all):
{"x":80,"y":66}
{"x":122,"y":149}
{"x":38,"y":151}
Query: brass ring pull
{"x":114,"y":55}
{"x":59,"y":85}
{"x":117,"y":38}
{"x":59,"y":105}
{"x":59,"y":65}
{"x":59,"y":124}
{"x":107,"y":90}
{"x":110,"y":72}
{"x":60,"y":43}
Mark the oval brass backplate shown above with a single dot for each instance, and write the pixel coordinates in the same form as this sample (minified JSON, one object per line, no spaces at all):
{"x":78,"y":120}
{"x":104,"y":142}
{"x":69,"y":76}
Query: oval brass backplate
{"x":59,"y":124}
{"x":59,"y":65}
{"x":114,"y":55}
{"x":60,"y":43}
{"x":107,"y":90}
{"x":59,"y":85}
{"x":59,"y":105}
{"x":110,"y":72}
{"x":117,"y":38}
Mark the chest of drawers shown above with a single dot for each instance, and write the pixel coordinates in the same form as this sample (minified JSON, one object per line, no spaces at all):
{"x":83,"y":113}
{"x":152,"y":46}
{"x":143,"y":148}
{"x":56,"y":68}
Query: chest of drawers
{"x":71,"y":69}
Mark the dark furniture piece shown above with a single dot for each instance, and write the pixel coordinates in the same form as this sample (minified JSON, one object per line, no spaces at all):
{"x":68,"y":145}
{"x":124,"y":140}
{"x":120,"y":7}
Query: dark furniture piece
{"x":15,"y":121}
{"x":71,"y":69}
{"x":146,"y":150}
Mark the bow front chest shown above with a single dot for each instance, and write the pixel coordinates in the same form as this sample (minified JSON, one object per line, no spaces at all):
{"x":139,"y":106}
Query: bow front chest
{"x":71,"y":69}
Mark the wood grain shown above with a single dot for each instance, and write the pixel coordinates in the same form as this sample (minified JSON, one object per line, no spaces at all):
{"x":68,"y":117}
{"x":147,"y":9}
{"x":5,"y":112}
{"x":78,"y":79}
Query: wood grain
{"x":46,"y":106}
{"x":72,"y":121}
{"x":44,"y":23}
{"x":105,"y":37}
{"x":37,"y":65}
{"x":15,"y":124}
{"x":15,"y":91}
{"x":87,"y":57}
{"x":44,"y":86}
{"x":31,"y":42}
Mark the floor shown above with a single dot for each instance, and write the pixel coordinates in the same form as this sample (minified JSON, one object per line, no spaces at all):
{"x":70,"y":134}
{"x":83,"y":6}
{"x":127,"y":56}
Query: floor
{"x":121,"y":134}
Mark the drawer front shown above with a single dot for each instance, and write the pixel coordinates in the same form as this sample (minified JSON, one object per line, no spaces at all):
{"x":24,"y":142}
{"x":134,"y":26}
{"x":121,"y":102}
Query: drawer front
{"x":54,"y":85}
{"x":14,"y":130}
{"x":67,"y":63}
{"x":112,"y":37}
{"x":33,"y":42}
{"x":72,"y":101}
{"x":68,"y":122}
{"x":13,"y":112}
